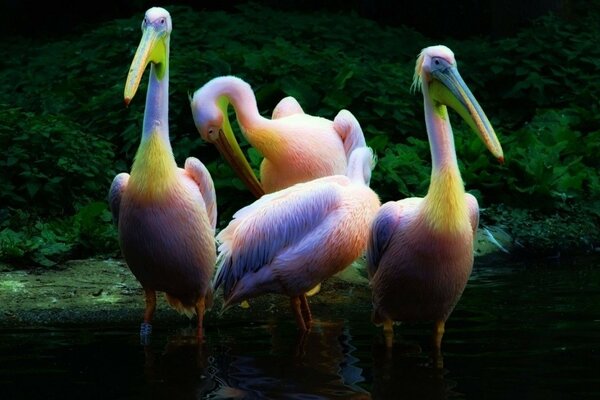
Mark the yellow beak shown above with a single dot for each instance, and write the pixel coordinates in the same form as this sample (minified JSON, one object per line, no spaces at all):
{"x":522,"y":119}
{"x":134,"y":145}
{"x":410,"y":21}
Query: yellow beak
{"x":152,"y":48}
{"x":230,"y":149}
{"x":449,"y":89}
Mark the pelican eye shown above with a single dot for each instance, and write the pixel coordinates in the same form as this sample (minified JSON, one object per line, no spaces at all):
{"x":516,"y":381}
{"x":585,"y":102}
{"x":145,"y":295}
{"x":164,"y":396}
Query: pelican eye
{"x":162,"y":21}
{"x":439,"y":64}
{"x":213,"y":133}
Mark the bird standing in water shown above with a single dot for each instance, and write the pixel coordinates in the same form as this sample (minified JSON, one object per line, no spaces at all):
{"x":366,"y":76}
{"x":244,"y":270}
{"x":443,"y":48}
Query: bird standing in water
{"x":289,"y":241}
{"x":420,"y":254}
{"x":296,"y":147}
{"x":166,"y":215}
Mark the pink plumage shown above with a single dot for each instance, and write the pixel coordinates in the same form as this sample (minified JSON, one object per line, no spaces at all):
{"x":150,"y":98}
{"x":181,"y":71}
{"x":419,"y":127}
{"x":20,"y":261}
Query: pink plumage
{"x":166,"y":215}
{"x":289,"y":241}
{"x":296,"y":147}
{"x":420,"y":254}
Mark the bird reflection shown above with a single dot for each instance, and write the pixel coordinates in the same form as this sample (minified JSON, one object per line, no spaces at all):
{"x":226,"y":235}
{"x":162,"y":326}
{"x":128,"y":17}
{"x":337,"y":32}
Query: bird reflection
{"x":179,"y":368}
{"x":403,"y":371}
{"x":317,"y":364}
{"x":334,"y":360}
{"x":406,"y":348}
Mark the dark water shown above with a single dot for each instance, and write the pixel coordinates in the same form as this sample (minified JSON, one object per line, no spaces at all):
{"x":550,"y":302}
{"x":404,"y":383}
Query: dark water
{"x":520,"y":331}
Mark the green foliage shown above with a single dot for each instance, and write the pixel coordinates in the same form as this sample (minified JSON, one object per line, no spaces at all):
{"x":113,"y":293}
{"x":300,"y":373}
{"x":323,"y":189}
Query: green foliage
{"x":29,"y":241}
{"x":94,"y":231}
{"x":39,"y":244}
{"x":550,"y":161}
{"x":402,"y":169}
{"x":68,"y":133}
{"x":51,"y":164}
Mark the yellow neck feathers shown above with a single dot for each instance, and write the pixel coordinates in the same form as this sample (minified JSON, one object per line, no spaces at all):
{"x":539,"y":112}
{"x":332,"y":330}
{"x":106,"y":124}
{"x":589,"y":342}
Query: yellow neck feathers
{"x":445,"y":206}
{"x":154,"y":169}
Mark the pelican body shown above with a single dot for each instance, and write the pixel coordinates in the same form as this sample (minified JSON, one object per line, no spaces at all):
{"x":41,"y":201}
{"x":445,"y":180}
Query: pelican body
{"x":296,"y":147}
{"x":420,"y":254}
{"x":166,"y":215}
{"x":289,"y":241}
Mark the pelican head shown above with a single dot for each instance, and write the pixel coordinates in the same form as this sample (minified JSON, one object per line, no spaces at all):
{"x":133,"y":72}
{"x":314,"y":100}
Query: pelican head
{"x":208,"y":117}
{"x":153,"y":48}
{"x":210,"y":113}
{"x":437,"y":75}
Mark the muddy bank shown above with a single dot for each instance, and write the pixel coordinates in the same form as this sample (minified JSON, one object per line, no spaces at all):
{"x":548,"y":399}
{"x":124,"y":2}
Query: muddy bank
{"x":104,"y":293}
{"x":569,"y":231}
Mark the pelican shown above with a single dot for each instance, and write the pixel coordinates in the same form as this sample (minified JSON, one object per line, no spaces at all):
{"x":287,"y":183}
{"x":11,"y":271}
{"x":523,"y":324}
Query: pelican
{"x":420,"y":254}
{"x":296,"y":147}
{"x":289,"y":241}
{"x":166,"y":215}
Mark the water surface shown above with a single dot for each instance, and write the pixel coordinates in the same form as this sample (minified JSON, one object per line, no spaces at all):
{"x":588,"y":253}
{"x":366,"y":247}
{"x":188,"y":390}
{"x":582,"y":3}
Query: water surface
{"x":521,"y":330}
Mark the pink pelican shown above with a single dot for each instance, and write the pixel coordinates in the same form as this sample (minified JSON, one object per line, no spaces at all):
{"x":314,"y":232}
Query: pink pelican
{"x":289,"y":241}
{"x":166,"y":215}
{"x":296,"y":147}
{"x":420,"y":254}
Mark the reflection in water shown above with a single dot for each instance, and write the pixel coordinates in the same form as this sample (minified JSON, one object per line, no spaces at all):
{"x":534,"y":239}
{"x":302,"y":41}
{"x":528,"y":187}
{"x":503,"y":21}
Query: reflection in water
{"x":180,"y":369}
{"x":519,"y":331}
{"x":315,"y":365}
{"x":404,"y":374}
{"x":275,"y":361}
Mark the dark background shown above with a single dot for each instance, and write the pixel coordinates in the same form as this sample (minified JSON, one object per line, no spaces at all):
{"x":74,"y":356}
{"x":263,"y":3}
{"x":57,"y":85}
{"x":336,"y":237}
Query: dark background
{"x":435,"y":18}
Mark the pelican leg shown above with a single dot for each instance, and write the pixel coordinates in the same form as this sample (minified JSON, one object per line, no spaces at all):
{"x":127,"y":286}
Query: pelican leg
{"x":438,"y":333}
{"x":295,"y":303}
{"x":200,"y":309}
{"x":301,"y":343}
{"x":306,"y":314}
{"x":388,"y":333}
{"x":146,"y":327}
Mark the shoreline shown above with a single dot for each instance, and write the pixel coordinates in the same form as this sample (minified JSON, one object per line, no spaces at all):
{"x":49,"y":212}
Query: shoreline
{"x":103,"y":293}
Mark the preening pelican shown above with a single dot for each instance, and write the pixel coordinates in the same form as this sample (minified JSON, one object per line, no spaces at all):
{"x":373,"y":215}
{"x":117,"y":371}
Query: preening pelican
{"x":166,"y":215}
{"x":420,"y":254}
{"x":296,"y":147}
{"x":289,"y":241}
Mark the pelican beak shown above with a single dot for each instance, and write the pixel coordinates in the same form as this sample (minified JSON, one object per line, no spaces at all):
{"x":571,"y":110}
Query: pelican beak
{"x":232,"y":153}
{"x":229,"y":148}
{"x":448,"y":88}
{"x":152,"y":48}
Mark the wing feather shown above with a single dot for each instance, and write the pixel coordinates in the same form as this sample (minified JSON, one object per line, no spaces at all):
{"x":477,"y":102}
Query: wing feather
{"x":115,"y":193}
{"x":473,"y":212}
{"x":348,"y":127}
{"x":286,"y":107}
{"x":383,"y":227}
{"x":261,"y":231}
{"x":196,"y":170}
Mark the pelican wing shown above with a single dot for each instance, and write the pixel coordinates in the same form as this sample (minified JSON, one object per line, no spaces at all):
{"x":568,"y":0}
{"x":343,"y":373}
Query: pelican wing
{"x":115,"y":193}
{"x":286,"y":107}
{"x":347,"y":126}
{"x":473,"y":212}
{"x":266,"y":228}
{"x":383,"y":227}
{"x":196,"y":170}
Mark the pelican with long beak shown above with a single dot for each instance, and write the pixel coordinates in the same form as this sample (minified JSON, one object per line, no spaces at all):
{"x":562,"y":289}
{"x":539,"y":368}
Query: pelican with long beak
{"x":296,"y":147}
{"x":166,"y":215}
{"x":420,"y":253}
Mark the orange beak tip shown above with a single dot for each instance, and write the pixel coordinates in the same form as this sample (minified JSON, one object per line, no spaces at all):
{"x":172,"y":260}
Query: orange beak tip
{"x":501,"y":160}
{"x":127,"y":101}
